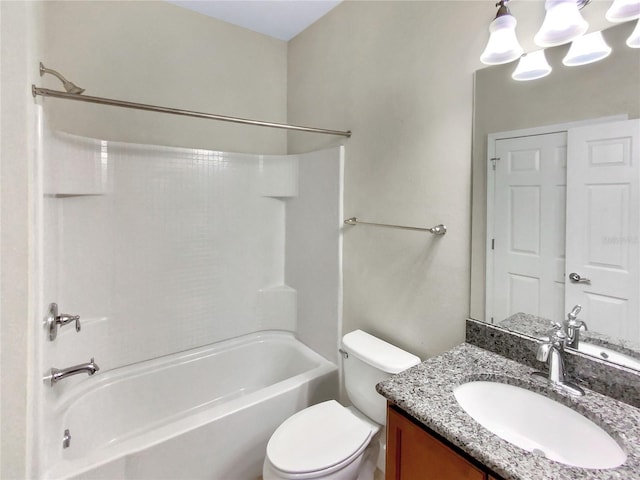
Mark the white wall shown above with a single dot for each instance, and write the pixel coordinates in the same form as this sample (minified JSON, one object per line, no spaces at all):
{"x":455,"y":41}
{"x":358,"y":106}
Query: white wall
{"x":314,"y":249}
{"x":159,"y":249}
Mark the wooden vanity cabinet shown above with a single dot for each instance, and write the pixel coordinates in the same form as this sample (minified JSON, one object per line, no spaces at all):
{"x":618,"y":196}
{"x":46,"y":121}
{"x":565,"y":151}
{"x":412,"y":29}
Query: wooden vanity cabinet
{"x":415,"y":454}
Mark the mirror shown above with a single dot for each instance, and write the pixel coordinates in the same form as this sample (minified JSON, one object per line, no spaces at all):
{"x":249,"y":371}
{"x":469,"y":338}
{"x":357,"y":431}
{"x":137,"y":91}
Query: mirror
{"x":568,"y":95}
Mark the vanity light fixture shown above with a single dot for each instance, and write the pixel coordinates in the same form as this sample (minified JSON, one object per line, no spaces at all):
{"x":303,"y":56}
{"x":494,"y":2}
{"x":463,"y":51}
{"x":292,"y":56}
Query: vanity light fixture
{"x":503,"y":45}
{"x":623,"y":10}
{"x":532,"y":66}
{"x":562,"y":23}
{"x":587,"y":49}
{"x":634,"y":39}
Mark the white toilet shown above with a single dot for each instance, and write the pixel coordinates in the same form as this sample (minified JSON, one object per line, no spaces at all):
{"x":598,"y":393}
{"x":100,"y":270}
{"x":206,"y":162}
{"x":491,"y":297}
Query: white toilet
{"x":331,"y":442}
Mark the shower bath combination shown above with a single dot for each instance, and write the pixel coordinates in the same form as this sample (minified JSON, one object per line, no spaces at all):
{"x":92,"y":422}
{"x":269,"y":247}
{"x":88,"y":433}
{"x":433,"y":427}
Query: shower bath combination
{"x":164,"y":386}
{"x":170,"y":375}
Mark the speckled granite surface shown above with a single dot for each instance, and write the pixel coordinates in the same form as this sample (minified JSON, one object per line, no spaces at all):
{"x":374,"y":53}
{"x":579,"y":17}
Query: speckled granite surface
{"x":527,"y":324}
{"x":590,"y":372}
{"x":426,"y":393}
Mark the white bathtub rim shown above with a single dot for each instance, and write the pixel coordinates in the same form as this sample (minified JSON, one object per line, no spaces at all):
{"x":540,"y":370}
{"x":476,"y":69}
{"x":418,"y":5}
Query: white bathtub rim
{"x":132,"y":444}
{"x":102,"y":380}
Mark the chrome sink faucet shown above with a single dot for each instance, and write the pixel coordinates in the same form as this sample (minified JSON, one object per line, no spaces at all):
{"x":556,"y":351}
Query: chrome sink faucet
{"x":57,"y":374}
{"x":552,"y":352}
{"x":573,"y":326}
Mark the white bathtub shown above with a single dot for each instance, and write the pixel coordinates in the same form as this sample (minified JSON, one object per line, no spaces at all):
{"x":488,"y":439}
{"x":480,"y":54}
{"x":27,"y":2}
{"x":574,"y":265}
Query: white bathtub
{"x":202,"y":414}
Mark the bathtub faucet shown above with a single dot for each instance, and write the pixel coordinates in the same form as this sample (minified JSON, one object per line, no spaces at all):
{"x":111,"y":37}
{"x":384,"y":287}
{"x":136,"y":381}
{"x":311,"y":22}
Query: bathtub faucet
{"x":57,"y":374}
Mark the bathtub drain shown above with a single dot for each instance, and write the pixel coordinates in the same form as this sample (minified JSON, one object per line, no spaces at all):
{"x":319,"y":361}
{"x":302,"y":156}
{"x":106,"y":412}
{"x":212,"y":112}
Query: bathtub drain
{"x":66,"y":439}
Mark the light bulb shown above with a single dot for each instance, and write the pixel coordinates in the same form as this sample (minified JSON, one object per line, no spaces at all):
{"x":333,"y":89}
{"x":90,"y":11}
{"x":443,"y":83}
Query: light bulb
{"x":623,"y":10}
{"x":634,"y":39}
{"x":562,"y":23}
{"x":587,"y":49}
{"x":503,"y":46}
{"x":532,"y":66}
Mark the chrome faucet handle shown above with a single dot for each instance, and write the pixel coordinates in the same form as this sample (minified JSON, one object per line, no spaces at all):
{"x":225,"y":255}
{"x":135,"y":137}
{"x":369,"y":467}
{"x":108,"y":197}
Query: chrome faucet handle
{"x":573,"y":314}
{"x":572,"y":319}
{"x":55,"y":320}
{"x":557,"y":335}
{"x":556,"y":340}
{"x":63,"y":319}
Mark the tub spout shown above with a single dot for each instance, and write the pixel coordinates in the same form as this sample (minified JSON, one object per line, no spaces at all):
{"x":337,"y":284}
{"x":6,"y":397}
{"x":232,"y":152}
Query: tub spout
{"x":57,"y":374}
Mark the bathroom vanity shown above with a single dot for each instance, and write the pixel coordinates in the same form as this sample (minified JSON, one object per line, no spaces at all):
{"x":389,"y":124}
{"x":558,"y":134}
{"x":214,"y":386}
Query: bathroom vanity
{"x":428,"y":429}
{"x":413,"y":452}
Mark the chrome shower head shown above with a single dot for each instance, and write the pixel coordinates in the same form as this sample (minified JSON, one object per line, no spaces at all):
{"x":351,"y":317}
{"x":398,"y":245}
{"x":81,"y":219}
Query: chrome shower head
{"x":70,"y":87}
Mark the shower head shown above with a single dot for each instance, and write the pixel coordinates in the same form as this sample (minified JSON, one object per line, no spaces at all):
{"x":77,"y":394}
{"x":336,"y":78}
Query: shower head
{"x":70,"y":87}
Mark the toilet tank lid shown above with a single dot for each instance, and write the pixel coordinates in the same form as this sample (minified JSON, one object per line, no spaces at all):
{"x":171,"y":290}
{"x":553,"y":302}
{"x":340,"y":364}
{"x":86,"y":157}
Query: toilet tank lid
{"x":378,"y":353}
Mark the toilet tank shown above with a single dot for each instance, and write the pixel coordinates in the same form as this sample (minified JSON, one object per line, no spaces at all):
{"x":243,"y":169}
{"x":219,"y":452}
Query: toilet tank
{"x":369,"y":362}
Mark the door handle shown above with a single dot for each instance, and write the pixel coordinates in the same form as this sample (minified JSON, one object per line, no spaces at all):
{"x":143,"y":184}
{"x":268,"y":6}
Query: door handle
{"x":575,"y":278}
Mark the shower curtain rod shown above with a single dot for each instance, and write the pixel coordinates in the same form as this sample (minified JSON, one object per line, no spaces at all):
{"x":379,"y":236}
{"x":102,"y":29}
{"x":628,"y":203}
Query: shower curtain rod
{"x":45,"y":92}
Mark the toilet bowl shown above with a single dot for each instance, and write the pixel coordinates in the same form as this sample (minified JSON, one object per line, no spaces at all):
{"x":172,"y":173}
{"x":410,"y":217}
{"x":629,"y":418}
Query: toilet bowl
{"x":326,"y":441}
{"x":329,"y":441}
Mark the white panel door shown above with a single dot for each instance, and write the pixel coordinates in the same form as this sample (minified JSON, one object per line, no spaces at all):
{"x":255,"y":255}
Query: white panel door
{"x":603,"y":227}
{"x":529,"y":226}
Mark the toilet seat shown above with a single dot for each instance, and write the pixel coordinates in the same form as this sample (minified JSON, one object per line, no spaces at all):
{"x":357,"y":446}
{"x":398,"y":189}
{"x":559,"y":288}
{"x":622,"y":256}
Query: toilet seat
{"x":319,"y":438}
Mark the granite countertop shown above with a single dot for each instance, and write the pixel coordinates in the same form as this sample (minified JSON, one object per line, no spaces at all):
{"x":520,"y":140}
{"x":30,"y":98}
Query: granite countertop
{"x":426,"y":393}
{"x":538,"y":327}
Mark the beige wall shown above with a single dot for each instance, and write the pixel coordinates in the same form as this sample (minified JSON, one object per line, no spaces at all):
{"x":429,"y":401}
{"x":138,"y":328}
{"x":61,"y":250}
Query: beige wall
{"x":157,"y":53}
{"x":609,"y":87}
{"x":400,"y":76}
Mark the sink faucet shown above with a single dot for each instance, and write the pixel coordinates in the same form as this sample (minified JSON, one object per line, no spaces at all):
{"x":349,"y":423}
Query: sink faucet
{"x":552,"y":352}
{"x":573,"y":326}
{"x":57,"y":374}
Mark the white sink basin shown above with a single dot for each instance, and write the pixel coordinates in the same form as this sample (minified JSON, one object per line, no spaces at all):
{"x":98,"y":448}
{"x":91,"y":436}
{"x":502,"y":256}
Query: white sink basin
{"x":540,"y":425}
{"x":608,"y":354}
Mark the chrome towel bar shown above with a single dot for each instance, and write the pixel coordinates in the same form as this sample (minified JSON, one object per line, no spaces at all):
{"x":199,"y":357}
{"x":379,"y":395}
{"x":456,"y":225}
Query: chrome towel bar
{"x":436,"y":230}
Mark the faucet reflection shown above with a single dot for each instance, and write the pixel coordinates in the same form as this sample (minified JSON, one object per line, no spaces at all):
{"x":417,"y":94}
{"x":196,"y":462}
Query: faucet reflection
{"x":573,"y":326}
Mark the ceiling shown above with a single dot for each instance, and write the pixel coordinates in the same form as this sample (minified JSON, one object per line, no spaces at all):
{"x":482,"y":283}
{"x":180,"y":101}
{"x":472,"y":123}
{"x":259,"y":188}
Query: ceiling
{"x":282,"y":19}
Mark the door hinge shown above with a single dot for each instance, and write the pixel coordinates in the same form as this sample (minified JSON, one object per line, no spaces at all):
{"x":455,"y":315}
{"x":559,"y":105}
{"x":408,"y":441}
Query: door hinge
{"x":494,"y":161}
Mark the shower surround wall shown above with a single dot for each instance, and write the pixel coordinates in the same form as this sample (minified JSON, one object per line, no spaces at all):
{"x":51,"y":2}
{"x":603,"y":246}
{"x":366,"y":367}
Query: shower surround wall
{"x":163,"y":249}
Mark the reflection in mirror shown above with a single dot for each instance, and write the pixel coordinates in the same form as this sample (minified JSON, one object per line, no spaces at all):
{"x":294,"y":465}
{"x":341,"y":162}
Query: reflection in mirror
{"x":604,"y":347}
{"x":570,"y":96}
